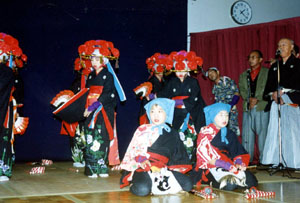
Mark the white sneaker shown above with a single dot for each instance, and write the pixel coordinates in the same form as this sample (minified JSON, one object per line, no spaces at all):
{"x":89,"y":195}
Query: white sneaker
{"x":104,"y":175}
{"x":78,"y":165}
{"x":93,"y":176}
{"x":4,"y":178}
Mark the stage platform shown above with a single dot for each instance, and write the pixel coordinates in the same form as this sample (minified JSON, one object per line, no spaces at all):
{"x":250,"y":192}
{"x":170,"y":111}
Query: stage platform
{"x":62,"y":182}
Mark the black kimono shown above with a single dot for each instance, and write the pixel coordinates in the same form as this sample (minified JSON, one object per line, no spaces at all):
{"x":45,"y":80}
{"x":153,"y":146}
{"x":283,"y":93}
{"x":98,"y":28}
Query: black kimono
{"x":156,"y":87}
{"x":77,"y":143}
{"x":188,"y":118}
{"x":164,"y":151}
{"x":6,"y":120}
{"x":289,"y":78}
{"x":98,"y":126}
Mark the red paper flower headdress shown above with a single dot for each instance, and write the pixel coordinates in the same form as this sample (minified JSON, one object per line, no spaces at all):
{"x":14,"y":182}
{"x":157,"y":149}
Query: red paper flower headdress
{"x":10,"y":52}
{"x":86,"y":50}
{"x":158,"y":63}
{"x":184,"y":61}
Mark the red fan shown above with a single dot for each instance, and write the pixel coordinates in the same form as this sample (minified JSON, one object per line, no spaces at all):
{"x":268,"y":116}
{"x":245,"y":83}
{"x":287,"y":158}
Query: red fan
{"x":62,"y":97}
{"x":21,"y":125}
{"x":143,"y":90}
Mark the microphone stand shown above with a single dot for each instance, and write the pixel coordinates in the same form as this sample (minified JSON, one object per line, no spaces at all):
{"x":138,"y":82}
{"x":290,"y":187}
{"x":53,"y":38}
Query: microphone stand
{"x":280,"y":166}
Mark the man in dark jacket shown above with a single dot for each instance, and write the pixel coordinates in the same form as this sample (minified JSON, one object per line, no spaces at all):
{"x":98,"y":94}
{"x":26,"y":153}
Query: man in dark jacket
{"x":284,"y":93}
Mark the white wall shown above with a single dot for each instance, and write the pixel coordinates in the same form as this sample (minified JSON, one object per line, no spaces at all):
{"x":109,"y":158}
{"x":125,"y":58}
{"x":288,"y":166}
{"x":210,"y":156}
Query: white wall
{"x":206,"y":15}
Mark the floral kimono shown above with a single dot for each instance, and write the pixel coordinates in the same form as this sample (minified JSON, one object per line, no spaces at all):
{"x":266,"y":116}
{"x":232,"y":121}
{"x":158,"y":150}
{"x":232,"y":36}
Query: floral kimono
{"x":209,"y":147}
{"x":164,"y":151}
{"x":99,"y":125}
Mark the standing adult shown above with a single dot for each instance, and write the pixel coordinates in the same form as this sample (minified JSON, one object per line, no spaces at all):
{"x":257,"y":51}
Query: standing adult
{"x":156,"y":68}
{"x":11,"y":56}
{"x":255,"y":120}
{"x":189,"y":104}
{"x":99,"y":129}
{"x":226,"y":91}
{"x":283,"y":93}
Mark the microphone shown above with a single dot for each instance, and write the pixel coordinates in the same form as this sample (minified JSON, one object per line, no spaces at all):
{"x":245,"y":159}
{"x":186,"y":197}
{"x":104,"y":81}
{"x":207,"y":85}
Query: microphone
{"x":278,"y":52}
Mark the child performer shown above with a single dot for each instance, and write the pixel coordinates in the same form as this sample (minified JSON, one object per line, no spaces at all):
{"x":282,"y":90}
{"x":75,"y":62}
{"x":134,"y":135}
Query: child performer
{"x":221,"y":159}
{"x":156,"y":67}
{"x":156,"y":160}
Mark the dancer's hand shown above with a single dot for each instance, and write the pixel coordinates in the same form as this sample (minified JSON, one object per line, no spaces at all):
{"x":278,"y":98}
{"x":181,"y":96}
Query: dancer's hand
{"x":233,"y":169}
{"x":145,"y":164}
{"x":86,"y":113}
{"x":212,"y":162}
{"x":241,"y":167}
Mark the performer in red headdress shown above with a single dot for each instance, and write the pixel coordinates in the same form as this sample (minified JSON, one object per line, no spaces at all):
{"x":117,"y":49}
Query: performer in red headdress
{"x":99,"y":126}
{"x":189,"y":104}
{"x":11,"y":57}
{"x":82,"y":67}
{"x":156,"y":66}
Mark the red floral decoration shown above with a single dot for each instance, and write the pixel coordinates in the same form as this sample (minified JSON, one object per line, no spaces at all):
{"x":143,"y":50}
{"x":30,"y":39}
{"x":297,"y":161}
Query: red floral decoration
{"x":184,"y":60}
{"x":115,"y":52}
{"x":179,"y":66}
{"x":192,"y":65}
{"x":106,"y":48}
{"x":77,"y":65}
{"x":160,"y":68}
{"x":82,"y":49}
{"x":158,"y":62}
{"x":24,"y":57}
{"x":10,"y":46}
{"x":199,"y":61}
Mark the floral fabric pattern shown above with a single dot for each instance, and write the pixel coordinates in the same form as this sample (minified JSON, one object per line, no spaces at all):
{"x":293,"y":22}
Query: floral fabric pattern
{"x":78,"y":145}
{"x":7,"y":158}
{"x":224,"y":92}
{"x":95,"y":151}
{"x":189,"y":137}
{"x":143,"y":138}
{"x":205,"y":151}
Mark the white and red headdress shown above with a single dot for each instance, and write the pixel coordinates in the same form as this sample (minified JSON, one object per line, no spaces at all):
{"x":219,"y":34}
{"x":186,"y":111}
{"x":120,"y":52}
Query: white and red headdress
{"x":184,"y":61}
{"x":106,"y":51}
{"x":158,"y":63}
{"x":102,"y":48}
{"x":10,"y":52}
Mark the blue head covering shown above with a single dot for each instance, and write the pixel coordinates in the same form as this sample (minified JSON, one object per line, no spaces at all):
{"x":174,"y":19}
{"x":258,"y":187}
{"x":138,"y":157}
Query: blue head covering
{"x":210,"y":113}
{"x":168,"y":106}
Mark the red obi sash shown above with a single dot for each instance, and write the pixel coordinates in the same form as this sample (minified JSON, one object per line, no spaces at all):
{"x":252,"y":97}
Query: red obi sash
{"x":94,"y":94}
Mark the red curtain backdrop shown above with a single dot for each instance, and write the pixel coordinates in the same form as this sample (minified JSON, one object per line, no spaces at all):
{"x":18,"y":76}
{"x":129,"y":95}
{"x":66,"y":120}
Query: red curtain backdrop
{"x":228,"y":49}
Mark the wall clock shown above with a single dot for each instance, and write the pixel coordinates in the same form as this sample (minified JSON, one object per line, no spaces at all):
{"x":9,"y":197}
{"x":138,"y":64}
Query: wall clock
{"x":241,"y":12}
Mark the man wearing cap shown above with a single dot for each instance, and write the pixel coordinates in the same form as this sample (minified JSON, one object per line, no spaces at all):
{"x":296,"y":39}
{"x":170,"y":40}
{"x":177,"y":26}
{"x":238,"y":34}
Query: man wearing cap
{"x":226,"y":91}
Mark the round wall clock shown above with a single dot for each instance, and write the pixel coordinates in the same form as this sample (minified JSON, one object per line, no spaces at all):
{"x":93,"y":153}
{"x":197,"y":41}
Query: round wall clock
{"x":241,"y":12}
